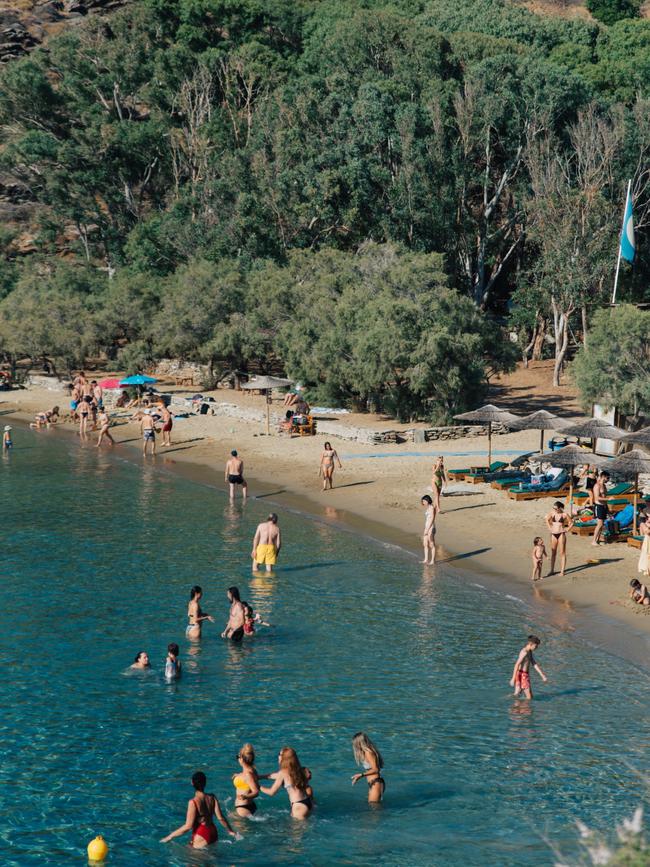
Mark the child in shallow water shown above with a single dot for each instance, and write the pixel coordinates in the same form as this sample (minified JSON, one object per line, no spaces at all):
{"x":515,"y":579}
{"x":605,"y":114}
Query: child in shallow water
{"x":538,"y":554}
{"x":172,"y":663}
{"x":521,"y":672}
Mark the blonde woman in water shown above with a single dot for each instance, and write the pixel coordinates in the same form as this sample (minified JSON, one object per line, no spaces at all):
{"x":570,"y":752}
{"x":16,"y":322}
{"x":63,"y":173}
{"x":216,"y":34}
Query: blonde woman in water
{"x":246,"y":783}
{"x":295,"y":779}
{"x":368,"y":756}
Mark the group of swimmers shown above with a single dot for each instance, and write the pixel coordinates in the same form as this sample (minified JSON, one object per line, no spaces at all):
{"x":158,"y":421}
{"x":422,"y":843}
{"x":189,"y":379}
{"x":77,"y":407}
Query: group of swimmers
{"x":203,"y":808}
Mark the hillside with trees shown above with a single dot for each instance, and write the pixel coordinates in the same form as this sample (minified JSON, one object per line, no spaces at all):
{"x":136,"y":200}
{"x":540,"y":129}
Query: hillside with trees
{"x":389,"y":201}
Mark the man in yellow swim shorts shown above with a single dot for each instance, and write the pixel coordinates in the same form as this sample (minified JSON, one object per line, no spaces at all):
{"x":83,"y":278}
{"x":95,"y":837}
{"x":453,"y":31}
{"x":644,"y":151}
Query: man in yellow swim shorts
{"x":266,"y":544}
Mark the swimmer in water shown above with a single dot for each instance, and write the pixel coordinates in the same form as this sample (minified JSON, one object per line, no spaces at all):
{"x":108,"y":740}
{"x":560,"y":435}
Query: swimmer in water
{"x":194,"y":613}
{"x":429,"y":533}
{"x":367,"y":755}
{"x":559,"y":523}
{"x":199,"y":819}
{"x":141,"y":662}
{"x":293,"y":777}
{"x":235,"y":626}
{"x":246,"y":782}
{"x":521,"y":672}
{"x":172,"y":663}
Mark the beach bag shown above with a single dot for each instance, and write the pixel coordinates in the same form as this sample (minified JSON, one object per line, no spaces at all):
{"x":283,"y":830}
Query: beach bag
{"x":612,"y":527}
{"x":536,"y":481}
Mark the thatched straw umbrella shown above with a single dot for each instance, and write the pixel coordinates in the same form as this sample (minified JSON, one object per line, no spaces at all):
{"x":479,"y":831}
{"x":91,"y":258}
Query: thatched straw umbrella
{"x":639,"y":437}
{"x":594,"y":428}
{"x":541,"y":420}
{"x":489,"y":415}
{"x":631,"y":464}
{"x":570,"y":457}
{"x":266,"y":384}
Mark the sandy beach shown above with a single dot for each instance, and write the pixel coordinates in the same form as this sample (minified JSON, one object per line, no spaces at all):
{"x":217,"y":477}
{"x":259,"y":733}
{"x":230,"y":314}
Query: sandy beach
{"x":377,"y":492}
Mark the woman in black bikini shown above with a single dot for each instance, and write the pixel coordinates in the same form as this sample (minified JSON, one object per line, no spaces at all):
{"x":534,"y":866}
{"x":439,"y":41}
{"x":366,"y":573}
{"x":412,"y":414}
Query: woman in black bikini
{"x":246,"y":783}
{"x":367,"y":755}
{"x":559,"y":523}
{"x":293,"y":777}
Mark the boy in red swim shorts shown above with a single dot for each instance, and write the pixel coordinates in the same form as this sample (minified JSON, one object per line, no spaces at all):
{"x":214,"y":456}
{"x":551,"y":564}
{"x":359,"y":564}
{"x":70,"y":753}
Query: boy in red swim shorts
{"x":521,"y":672}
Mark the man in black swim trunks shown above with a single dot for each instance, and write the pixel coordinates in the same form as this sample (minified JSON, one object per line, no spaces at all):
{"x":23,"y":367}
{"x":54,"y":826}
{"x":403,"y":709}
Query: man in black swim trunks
{"x":599,"y":495}
{"x":234,"y":475}
{"x":235,"y":626}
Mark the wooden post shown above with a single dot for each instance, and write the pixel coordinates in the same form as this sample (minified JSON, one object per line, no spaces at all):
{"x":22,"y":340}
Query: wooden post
{"x":489,"y":445}
{"x":268,"y":411}
{"x":636,"y":497}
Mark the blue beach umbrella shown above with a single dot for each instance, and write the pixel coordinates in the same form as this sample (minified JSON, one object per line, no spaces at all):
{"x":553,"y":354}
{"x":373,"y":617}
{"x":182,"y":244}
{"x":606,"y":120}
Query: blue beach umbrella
{"x":138,"y":379}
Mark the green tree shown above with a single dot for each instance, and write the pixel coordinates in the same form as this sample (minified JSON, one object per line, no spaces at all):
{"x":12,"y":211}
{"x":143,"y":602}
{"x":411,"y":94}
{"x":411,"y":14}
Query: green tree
{"x":614,"y":369}
{"x":611,"y":11}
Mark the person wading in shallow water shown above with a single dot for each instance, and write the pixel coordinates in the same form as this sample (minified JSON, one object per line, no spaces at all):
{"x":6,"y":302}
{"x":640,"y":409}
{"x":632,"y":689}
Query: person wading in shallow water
{"x":266,"y":544}
{"x":234,"y":475}
{"x":367,"y":755}
{"x":199,"y":819}
{"x":235,"y":626}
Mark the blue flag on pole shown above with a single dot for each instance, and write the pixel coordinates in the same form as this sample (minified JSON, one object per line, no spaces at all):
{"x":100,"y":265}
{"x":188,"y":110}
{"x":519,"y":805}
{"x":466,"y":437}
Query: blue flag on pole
{"x":628,"y":248}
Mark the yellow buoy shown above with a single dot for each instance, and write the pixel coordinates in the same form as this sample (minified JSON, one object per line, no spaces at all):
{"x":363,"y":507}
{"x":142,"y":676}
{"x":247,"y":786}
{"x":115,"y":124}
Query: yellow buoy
{"x":240,"y":783}
{"x":97,"y":849}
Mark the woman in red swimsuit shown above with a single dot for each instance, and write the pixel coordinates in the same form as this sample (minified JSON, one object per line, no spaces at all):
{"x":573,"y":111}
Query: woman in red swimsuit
{"x":199,"y":821}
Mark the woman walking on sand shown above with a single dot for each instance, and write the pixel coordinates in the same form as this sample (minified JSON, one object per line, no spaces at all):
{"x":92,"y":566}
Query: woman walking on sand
{"x":559,"y":524}
{"x":439,"y":479}
{"x":194,"y":614}
{"x":327,"y":459}
{"x":368,"y":756}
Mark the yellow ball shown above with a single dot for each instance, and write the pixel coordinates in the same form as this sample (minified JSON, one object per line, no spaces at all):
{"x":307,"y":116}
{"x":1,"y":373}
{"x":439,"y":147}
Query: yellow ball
{"x":97,"y":849}
{"x":240,"y":783}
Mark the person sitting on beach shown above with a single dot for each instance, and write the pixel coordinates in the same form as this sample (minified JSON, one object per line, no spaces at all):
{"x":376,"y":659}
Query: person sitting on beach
{"x":292,"y":777}
{"x":538,"y":555}
{"x":246,"y":782}
{"x":141,"y":661}
{"x":122,"y":400}
{"x":199,"y":819}
{"x":172,"y":662}
{"x":367,"y":755}
{"x":521,"y":672}
{"x":45,"y":419}
{"x":194,"y":614}
{"x":266,"y":544}
{"x":429,"y":534}
{"x":104,"y":424}
{"x":234,"y":475}
{"x":327,"y":459}
{"x":286,"y":426}
{"x":235,"y":625}
{"x":559,"y":524}
{"x":639,"y":593}
{"x":290,"y":398}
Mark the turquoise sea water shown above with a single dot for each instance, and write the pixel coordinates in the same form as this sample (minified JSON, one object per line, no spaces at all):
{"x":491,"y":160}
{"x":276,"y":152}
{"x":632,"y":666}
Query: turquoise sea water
{"x":99,"y":554}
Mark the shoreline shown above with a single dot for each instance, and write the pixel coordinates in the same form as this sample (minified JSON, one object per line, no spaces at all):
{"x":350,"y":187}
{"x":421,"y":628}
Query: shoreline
{"x":467,"y":547}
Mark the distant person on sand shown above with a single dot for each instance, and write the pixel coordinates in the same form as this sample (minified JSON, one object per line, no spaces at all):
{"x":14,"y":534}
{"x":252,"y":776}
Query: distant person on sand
{"x":104,"y":424}
{"x":45,"y":419}
{"x":599,"y":496}
{"x":75,"y":397}
{"x":266,"y":544}
{"x":429,"y":534}
{"x":194,"y":614}
{"x":327,"y":459}
{"x":538,"y":555}
{"x":148,"y":428}
{"x":234,"y":475}
{"x":639,"y":593}
{"x":83,"y":410}
{"x":521,"y":672}
{"x":98,"y":394}
{"x":199,"y":819}
{"x":559,"y":524}
{"x":235,"y":626}
{"x":167,"y":424}
{"x":439,"y":479}
{"x":368,"y":756}
{"x":644,"y":554}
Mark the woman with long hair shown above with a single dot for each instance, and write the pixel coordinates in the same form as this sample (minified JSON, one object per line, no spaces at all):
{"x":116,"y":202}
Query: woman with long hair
{"x":194,"y":614}
{"x":246,"y":782}
{"x":294,"y":778}
{"x":327,"y":459}
{"x":368,"y":756}
{"x":199,"y":819}
{"x":439,"y":479}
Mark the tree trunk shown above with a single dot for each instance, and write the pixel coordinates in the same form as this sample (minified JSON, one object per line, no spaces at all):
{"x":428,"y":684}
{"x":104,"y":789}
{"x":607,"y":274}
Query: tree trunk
{"x":538,"y":347}
{"x":561,"y":333}
{"x":584,"y":325}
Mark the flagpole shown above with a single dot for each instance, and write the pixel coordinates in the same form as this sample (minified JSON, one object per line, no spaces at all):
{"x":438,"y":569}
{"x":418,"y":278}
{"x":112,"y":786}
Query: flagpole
{"x":618,"y":261}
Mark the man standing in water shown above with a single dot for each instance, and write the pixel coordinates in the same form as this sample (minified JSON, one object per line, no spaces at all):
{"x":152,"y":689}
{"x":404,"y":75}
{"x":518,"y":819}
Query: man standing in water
{"x":235,"y":626}
{"x":148,"y":429}
{"x":234,"y":474}
{"x":266,"y":544}
{"x":599,"y":495}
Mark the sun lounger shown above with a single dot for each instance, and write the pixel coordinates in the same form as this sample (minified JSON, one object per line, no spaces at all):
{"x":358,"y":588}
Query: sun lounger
{"x":555,"y":488}
{"x":614,"y":492}
{"x":494,"y":467}
{"x":623,"y":520}
{"x":508,"y":475}
{"x":505,"y":482}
